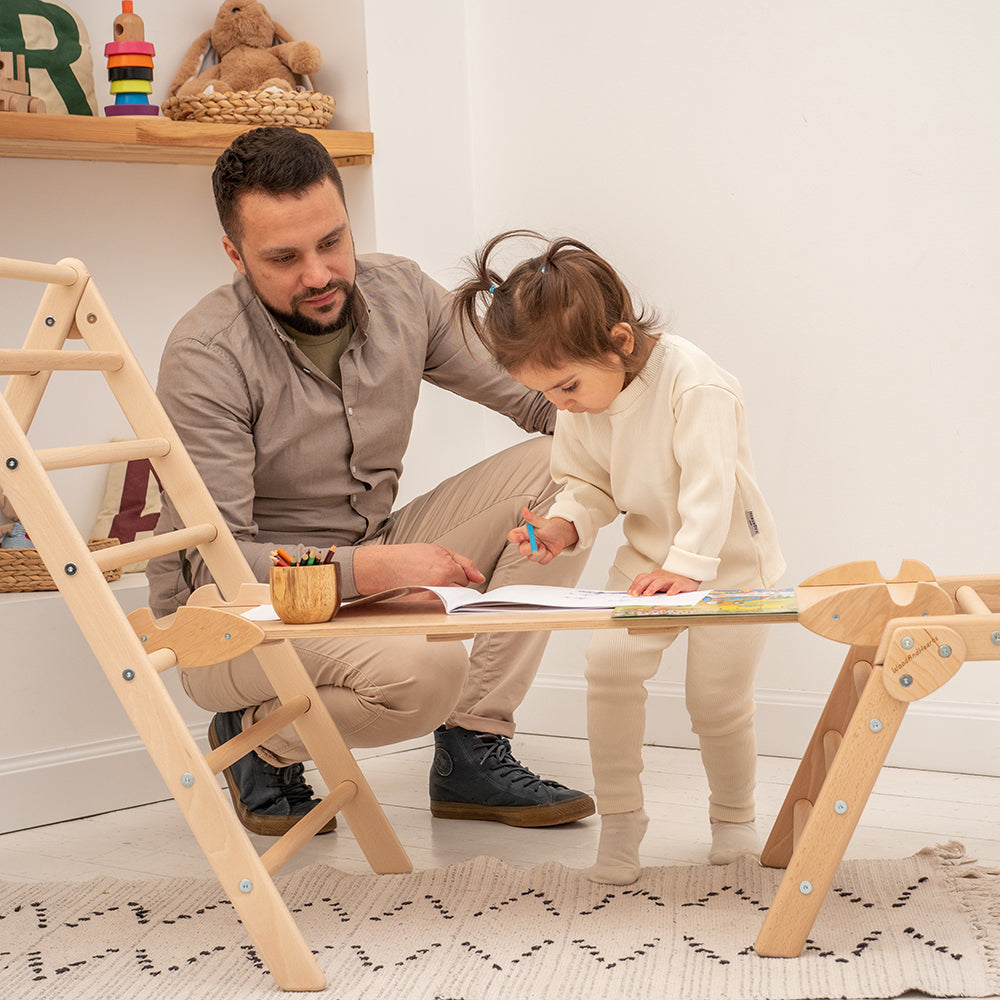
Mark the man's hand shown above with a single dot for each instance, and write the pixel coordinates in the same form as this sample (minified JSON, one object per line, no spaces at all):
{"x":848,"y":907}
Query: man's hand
{"x":552,"y":534}
{"x":662,"y":582}
{"x":385,"y":567}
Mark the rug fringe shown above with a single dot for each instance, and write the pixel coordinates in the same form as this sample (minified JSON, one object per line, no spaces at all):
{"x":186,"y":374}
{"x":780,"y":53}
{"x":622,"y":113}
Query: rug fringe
{"x":975,"y":887}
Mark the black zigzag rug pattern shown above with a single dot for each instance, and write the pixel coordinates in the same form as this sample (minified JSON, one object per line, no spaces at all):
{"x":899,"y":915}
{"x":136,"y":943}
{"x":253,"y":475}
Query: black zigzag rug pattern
{"x":483,"y":930}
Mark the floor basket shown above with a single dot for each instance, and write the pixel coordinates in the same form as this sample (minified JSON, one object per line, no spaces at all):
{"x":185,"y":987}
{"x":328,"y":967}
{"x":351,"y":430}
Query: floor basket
{"x":22,"y":570}
{"x":302,"y":108}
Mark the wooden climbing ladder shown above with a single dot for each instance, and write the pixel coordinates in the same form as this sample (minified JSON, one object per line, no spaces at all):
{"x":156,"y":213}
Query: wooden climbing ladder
{"x":71,"y":308}
{"x":907,"y":637}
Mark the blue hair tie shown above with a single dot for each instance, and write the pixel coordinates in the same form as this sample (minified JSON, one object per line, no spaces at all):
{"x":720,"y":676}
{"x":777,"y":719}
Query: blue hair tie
{"x":493,"y":288}
{"x":543,"y":269}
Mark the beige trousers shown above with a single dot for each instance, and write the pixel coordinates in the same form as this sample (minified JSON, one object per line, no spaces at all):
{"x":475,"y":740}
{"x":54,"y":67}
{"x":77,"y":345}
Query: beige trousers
{"x":721,"y":664}
{"x":384,"y":690}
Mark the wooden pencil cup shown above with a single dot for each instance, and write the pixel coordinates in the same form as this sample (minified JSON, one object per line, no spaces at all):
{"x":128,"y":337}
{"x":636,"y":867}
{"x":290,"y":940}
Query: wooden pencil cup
{"x":304,"y":594}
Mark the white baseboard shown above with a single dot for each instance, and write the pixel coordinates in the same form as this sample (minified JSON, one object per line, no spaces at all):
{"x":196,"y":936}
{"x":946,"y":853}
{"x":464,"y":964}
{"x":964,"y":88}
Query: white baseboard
{"x":84,"y":779}
{"x":936,"y":735}
{"x":71,"y":782}
{"x":53,"y":786}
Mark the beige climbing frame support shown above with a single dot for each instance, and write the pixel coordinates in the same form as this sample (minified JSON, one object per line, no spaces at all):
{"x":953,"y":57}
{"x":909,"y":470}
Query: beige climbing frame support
{"x":907,"y":637}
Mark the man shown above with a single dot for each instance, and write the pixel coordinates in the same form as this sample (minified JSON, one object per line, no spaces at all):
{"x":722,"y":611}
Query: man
{"x":294,"y":390}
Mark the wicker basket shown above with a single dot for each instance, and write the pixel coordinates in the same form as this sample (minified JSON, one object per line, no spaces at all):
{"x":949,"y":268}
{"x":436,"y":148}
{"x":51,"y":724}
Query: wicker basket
{"x":22,"y":570}
{"x":302,"y":108}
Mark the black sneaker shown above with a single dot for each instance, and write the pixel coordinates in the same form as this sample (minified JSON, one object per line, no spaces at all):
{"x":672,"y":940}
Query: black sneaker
{"x":475,"y":776}
{"x":269,"y":800}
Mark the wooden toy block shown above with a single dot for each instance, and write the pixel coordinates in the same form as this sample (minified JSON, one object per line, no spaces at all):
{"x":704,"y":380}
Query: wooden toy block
{"x":128,"y":26}
{"x":13,"y":78}
{"x":15,"y":91}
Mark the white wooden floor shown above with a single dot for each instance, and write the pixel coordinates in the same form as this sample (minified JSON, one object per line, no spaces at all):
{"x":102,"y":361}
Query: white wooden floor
{"x":908,"y":810}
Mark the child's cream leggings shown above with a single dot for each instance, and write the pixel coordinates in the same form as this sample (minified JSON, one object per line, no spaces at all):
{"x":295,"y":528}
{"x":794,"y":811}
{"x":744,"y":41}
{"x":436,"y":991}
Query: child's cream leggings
{"x":721,"y":663}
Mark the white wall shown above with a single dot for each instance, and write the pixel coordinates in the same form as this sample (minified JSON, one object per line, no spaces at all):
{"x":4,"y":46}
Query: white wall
{"x":810,"y":192}
{"x":423,"y":183}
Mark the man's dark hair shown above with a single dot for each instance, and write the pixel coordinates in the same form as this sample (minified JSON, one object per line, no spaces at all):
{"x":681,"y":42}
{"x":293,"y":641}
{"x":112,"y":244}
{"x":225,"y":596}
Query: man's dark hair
{"x":274,"y":160}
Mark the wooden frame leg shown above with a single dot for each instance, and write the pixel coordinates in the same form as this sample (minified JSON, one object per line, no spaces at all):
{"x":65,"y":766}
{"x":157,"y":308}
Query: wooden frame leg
{"x":243,"y":875}
{"x":833,"y":818}
{"x":335,"y":762}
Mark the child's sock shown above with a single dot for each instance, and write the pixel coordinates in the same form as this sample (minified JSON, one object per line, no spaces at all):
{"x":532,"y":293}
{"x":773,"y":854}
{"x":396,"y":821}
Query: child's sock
{"x":731,"y":841}
{"x":618,"y":850}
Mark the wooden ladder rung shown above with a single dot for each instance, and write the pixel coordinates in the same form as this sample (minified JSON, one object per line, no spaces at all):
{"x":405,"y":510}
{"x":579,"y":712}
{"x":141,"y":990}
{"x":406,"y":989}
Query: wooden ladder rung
{"x":157,"y":545}
{"x":970,"y":602}
{"x":306,"y":828}
{"x":28,"y":270}
{"x":162,"y":660}
{"x":19,"y":361}
{"x":78,"y":456}
{"x":862,"y":670}
{"x":832,"y":740}
{"x":239,"y":746}
{"x":801,"y":812}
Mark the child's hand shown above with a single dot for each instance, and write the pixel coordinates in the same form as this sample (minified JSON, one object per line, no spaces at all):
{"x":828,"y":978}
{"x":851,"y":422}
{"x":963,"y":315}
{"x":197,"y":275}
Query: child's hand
{"x":552,"y":535}
{"x":662,"y":582}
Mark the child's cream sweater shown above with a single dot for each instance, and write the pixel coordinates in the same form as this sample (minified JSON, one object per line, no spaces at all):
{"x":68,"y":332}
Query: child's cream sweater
{"x":672,"y":453}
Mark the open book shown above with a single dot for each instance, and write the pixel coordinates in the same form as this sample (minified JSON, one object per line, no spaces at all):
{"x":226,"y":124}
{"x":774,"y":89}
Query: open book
{"x":716,"y":602}
{"x":513,"y":598}
{"x":528,"y":598}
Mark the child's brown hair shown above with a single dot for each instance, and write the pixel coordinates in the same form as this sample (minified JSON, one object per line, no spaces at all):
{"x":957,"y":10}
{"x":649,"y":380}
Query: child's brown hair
{"x":557,"y":307}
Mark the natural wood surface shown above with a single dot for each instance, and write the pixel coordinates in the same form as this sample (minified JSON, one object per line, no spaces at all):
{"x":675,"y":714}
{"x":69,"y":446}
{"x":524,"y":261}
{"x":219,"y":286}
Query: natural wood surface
{"x":827,"y":738}
{"x":305,"y":594}
{"x":142,"y":139}
{"x":196,"y":636}
{"x":427,"y":617}
{"x":831,"y":821}
{"x":921,"y":644}
{"x":857,"y":615}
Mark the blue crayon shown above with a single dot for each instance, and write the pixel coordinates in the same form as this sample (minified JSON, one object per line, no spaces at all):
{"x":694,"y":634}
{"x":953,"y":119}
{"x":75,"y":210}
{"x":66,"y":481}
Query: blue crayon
{"x":531,"y":538}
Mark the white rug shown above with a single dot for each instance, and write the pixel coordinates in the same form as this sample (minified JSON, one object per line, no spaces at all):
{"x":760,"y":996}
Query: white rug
{"x":485,"y":931}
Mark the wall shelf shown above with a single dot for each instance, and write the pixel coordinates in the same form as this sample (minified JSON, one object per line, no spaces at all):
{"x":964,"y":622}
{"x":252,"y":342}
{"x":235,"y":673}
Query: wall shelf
{"x":147,"y":140}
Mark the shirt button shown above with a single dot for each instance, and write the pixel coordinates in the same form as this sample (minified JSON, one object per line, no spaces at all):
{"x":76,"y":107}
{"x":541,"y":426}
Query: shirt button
{"x":350,"y":411}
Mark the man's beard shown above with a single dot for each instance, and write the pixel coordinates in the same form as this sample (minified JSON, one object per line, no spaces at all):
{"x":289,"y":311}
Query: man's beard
{"x":306,"y":324}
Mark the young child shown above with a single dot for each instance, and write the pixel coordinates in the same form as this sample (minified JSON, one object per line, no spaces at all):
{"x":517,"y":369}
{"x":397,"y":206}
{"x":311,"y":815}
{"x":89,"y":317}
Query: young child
{"x":650,"y":427}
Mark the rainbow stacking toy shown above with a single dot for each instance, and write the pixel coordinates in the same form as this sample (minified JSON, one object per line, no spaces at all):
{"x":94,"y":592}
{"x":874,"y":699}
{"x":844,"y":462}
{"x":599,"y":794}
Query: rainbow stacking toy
{"x":130,"y":66}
